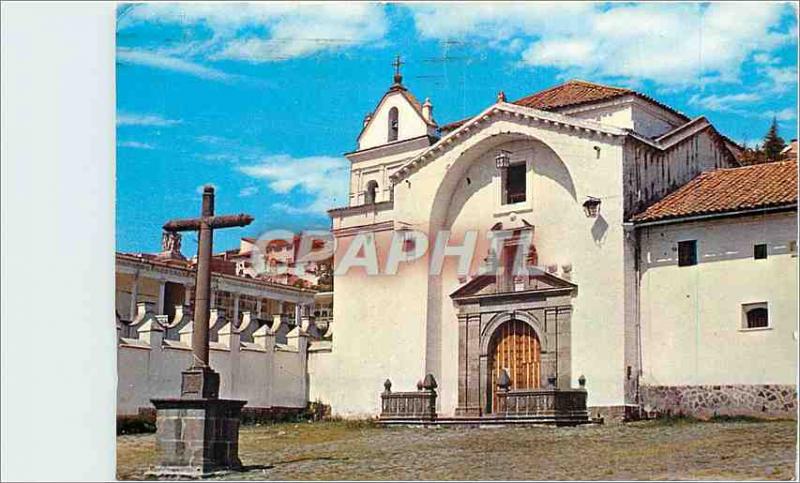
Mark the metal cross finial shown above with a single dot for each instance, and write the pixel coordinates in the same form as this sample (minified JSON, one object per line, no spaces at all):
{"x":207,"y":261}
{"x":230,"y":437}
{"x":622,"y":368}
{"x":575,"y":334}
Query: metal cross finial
{"x":397,"y":63}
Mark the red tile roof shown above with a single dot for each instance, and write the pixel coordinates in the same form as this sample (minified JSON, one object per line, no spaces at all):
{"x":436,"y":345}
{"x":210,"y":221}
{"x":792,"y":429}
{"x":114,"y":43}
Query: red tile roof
{"x":727,"y":190}
{"x":572,"y":93}
{"x":189,"y":268}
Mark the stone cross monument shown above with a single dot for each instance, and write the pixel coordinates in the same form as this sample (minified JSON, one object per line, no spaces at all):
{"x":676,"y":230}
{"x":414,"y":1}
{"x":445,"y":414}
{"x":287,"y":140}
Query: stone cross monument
{"x":198,"y":433}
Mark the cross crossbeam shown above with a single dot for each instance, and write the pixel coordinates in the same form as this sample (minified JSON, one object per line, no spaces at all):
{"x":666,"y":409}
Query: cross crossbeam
{"x":199,"y":380}
{"x":213,"y":222}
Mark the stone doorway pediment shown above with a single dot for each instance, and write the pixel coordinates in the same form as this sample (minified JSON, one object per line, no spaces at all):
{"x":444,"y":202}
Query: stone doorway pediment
{"x":537,"y":282}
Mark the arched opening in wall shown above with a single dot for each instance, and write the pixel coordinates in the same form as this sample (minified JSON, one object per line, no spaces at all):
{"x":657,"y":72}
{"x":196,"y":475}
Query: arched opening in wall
{"x":755,"y":316}
{"x":515,"y":347}
{"x":372,"y":190}
{"x":394,"y":126}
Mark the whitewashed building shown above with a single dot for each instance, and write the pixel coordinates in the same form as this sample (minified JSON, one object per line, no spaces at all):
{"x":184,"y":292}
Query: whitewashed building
{"x":654,"y":297}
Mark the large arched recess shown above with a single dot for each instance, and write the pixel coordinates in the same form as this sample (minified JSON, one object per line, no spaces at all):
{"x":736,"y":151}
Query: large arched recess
{"x":443,"y":206}
{"x":454,"y":175}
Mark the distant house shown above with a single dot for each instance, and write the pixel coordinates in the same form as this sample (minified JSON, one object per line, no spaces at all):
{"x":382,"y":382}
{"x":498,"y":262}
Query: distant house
{"x":790,"y":151}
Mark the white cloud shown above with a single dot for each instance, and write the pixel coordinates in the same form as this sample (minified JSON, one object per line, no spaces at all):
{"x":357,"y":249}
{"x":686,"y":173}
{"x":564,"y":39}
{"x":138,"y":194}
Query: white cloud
{"x":248,"y":191}
{"x":787,"y":114}
{"x":780,"y":79}
{"x":135,"y":145}
{"x":742,"y":104}
{"x":265,"y":32}
{"x":131,"y":119}
{"x":160,"y":60}
{"x":322,"y":179}
{"x":667,"y":43}
{"x":499,"y":21}
{"x":725,"y":103}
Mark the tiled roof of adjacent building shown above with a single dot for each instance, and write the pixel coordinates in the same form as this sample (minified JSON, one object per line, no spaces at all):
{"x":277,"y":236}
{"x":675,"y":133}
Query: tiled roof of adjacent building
{"x":188,"y":266}
{"x":729,"y":190}
{"x":573,"y":93}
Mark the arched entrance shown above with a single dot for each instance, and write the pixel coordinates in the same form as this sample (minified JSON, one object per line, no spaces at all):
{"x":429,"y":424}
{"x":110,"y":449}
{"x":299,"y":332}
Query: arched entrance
{"x":515,"y":347}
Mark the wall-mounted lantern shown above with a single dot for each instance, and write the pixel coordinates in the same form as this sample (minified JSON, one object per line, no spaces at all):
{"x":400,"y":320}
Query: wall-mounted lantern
{"x":503,"y":159}
{"x":591,"y":207}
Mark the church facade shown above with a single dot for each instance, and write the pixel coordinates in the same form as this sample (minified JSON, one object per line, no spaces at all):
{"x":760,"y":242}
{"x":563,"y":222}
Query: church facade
{"x":652,"y":275}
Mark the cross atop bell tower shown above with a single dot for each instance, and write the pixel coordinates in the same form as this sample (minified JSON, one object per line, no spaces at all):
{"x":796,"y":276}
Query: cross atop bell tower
{"x":398,"y":78}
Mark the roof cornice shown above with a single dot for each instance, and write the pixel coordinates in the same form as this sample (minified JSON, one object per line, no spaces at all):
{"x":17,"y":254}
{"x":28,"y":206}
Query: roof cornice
{"x":758,"y":210}
{"x":133,"y":261}
{"x":547,"y":119}
{"x":388,"y":148}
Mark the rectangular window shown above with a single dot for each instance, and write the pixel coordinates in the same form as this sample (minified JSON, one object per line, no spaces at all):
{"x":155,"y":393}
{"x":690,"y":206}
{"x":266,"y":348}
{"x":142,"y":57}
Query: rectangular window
{"x":755,"y":316}
{"x":760,"y":251}
{"x":515,"y":184}
{"x":687,"y":253}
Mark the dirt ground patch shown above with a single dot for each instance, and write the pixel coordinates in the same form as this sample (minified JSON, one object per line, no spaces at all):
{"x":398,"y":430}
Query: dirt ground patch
{"x":638,"y":451}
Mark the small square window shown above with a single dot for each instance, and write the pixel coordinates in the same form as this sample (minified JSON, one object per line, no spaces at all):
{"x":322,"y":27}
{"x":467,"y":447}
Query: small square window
{"x":514,"y":189}
{"x":760,"y":251}
{"x":687,"y":253}
{"x":755,"y":316}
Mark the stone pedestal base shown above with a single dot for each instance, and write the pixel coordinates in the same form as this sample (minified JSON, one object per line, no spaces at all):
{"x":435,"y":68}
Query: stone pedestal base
{"x":197,"y":437}
{"x":199,"y":383}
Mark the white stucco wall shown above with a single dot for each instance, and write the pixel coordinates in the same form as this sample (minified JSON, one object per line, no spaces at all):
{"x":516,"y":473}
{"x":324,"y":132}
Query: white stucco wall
{"x":692,"y":316}
{"x":630,"y":112}
{"x":620,"y":115}
{"x":261,"y":374}
{"x":652,"y":121}
{"x":379,"y":333}
{"x":651,"y":174}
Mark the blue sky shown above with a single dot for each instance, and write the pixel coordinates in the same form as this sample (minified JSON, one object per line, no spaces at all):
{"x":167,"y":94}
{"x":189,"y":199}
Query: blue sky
{"x":261,"y":100}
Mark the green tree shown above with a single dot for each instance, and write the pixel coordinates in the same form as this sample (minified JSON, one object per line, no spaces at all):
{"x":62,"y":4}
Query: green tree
{"x":773,"y":143}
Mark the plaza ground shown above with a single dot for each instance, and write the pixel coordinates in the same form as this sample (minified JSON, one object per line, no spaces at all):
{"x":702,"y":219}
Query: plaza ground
{"x":645,"y":450}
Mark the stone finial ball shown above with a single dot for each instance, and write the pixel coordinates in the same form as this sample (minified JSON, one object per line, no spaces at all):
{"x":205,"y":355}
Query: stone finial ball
{"x":387,"y":384}
{"x":429,"y":382}
{"x":504,"y":381}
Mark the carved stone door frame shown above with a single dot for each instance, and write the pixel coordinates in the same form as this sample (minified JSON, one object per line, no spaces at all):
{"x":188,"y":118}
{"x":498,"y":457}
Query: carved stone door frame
{"x":481,"y":311}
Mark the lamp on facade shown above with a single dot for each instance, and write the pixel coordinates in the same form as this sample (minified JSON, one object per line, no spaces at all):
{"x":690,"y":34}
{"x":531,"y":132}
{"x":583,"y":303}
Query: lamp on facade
{"x":591,"y":206}
{"x":503,"y":159}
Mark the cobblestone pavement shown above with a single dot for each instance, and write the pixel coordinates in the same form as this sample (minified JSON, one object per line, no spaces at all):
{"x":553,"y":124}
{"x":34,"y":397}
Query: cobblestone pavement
{"x":647,"y":450}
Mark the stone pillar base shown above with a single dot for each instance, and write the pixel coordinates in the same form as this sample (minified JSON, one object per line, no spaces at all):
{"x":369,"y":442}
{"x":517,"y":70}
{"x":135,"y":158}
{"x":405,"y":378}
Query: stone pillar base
{"x":199,"y":383}
{"x":197,"y":438}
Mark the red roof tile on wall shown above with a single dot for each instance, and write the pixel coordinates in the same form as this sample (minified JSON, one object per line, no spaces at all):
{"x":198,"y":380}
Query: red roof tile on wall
{"x":571,"y":93}
{"x":727,"y":190}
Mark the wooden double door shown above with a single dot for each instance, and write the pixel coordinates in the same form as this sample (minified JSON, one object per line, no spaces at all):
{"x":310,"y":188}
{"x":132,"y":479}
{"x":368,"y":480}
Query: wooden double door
{"x":516,"y":348}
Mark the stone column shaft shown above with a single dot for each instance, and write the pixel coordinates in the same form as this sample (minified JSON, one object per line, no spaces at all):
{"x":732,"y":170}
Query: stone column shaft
{"x":162,"y":286}
{"x":134,"y":295}
{"x":203,"y":287}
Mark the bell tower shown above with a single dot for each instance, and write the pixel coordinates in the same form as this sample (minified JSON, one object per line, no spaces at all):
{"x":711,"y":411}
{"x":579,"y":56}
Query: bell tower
{"x":398,"y":128}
